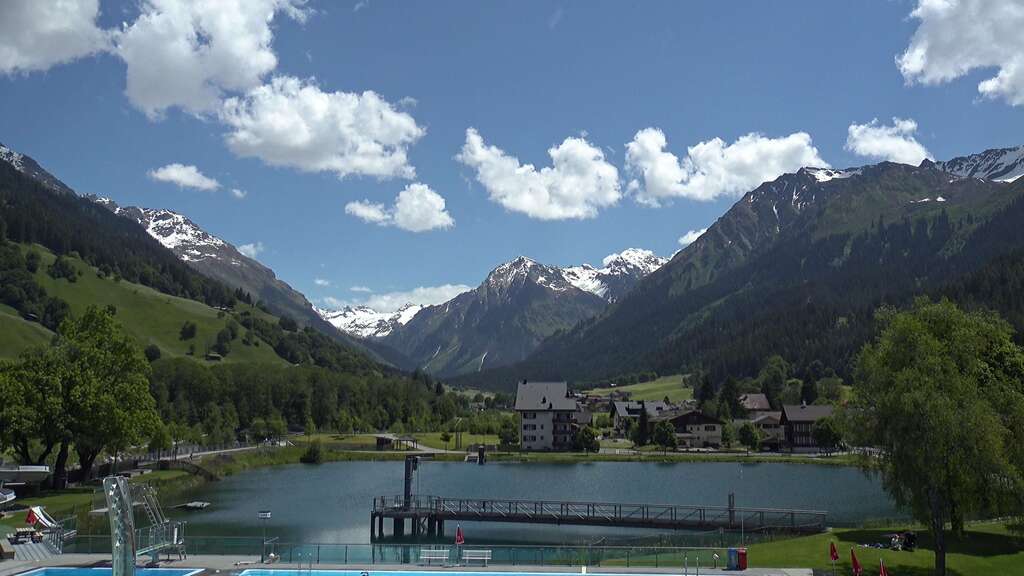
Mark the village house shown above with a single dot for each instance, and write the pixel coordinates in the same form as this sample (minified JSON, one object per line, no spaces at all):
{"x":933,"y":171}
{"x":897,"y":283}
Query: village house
{"x":769,"y":426}
{"x":798,"y":423}
{"x":755,"y":404}
{"x":547,"y":416}
{"x":624,"y":411}
{"x":694,"y":429}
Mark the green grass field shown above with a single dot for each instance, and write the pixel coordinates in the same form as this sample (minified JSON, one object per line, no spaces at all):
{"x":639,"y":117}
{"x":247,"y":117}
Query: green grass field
{"x":985,"y":550}
{"x":149,"y":316}
{"x":433,"y":439}
{"x":17,"y":334}
{"x":671,"y":386}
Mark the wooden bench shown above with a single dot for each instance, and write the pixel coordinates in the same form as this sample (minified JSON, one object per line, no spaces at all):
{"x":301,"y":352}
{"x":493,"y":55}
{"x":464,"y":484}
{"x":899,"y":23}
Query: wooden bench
{"x":476,"y":556}
{"x":428,"y":555}
{"x":6,"y":550}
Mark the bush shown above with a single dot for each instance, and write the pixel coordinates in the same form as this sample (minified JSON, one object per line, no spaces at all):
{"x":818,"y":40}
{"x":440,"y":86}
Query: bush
{"x":188,"y":330}
{"x":313,"y":454}
{"x":152,"y":353}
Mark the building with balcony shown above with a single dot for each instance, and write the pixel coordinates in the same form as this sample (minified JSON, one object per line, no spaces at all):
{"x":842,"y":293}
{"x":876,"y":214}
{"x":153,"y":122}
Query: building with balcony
{"x":547,"y":416}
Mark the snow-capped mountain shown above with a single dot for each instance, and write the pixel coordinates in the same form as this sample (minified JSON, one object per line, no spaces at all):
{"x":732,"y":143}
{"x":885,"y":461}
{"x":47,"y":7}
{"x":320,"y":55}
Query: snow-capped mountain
{"x":178,"y":234}
{"x":366,"y":322}
{"x":219,"y":259}
{"x":618,"y":274}
{"x":27,"y":166}
{"x":999,"y":164}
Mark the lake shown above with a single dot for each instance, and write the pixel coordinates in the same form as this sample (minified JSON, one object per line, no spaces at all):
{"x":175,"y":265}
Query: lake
{"x":330,"y":503}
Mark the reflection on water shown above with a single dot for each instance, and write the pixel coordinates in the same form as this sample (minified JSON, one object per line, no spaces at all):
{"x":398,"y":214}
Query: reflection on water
{"x":331,"y":503}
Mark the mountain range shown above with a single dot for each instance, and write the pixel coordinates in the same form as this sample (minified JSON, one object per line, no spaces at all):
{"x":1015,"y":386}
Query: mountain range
{"x":795,"y":267}
{"x":798,"y":267}
{"x":518,"y":305}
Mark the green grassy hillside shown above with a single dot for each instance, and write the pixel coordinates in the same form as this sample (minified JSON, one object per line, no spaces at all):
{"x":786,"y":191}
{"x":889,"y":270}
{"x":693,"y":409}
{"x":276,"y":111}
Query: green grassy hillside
{"x":17,"y":334}
{"x":670,"y":386}
{"x":151,"y":317}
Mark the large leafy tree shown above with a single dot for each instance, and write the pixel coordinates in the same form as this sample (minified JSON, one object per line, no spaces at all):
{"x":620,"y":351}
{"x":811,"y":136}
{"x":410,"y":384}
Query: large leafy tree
{"x":89,"y":390}
{"x":940,"y":393}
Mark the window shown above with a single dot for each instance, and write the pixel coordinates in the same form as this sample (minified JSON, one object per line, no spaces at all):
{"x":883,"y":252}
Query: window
{"x":529,"y":415}
{"x":710,"y":428}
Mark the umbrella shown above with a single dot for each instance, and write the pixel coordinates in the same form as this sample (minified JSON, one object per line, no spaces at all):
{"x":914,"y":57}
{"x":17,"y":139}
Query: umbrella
{"x":833,"y":554}
{"x":857,"y":570}
{"x":881,"y":568}
{"x":30,"y":518}
{"x":459,"y":538}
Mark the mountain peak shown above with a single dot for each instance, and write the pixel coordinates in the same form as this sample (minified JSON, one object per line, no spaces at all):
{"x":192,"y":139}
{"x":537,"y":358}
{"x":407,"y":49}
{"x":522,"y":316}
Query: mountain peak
{"x":997,"y":164}
{"x":29,"y":167}
{"x":365,"y":322}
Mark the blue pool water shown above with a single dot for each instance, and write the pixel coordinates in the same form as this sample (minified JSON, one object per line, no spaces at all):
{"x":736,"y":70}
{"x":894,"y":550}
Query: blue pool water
{"x":108,"y":571}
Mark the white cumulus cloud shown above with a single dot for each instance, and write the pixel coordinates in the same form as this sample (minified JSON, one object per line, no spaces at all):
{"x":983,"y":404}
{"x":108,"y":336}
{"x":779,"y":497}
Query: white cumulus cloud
{"x":691,"y":236}
{"x":189,"y":53}
{"x":417,"y":208}
{"x":425,"y":295}
{"x":713,"y":168}
{"x":292,"y":122}
{"x":321,"y":282}
{"x":577,"y":184}
{"x":252,"y":250}
{"x":895,"y":143}
{"x":955,"y":37}
{"x":37,"y":34}
{"x":365,"y":289}
{"x":239,"y":193}
{"x":185,"y":176}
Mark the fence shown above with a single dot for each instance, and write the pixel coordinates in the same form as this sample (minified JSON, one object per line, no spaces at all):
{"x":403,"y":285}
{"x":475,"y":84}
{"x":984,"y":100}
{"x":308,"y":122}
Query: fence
{"x":368,"y":554}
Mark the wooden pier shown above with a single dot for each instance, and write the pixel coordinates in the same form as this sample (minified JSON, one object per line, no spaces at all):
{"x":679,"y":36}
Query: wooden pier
{"x":427,"y":514}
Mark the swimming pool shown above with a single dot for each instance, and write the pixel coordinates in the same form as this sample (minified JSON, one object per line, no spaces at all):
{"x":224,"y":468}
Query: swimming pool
{"x":108,"y":572}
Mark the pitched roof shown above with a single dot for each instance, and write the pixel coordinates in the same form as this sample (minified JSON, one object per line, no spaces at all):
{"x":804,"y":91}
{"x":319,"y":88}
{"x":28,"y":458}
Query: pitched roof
{"x":631,"y":408}
{"x":755,"y":402}
{"x":806,"y":413}
{"x":544,"y":396}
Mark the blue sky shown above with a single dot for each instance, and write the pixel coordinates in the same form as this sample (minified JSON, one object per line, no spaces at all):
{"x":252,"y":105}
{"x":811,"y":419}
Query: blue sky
{"x":526,"y":76}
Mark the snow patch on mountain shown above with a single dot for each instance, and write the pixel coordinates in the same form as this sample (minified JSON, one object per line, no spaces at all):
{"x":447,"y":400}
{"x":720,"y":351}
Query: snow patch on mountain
{"x":13,"y":158}
{"x":999,"y":165}
{"x":628,"y":267}
{"x":826,"y":174}
{"x":366,"y":322}
{"x":176,"y":232}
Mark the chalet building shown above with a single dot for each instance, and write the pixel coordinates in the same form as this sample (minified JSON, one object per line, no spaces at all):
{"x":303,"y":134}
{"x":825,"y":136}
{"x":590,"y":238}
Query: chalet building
{"x":694,"y":429}
{"x":769,"y":426}
{"x":624,"y":411}
{"x":547,"y":416}
{"x":755,"y":404}
{"x":798,"y":422}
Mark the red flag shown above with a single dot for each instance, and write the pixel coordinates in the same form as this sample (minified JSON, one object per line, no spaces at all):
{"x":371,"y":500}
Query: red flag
{"x":857,"y":570}
{"x":459,"y":538}
{"x":882,"y":571}
{"x":833,"y":554}
{"x":30,"y":518}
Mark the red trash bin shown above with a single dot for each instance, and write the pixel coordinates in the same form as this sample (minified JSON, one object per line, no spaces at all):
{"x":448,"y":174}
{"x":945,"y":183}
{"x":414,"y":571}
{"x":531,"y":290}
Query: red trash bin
{"x":742,"y":553}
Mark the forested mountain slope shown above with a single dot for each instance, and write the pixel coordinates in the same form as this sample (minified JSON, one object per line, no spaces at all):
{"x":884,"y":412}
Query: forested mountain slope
{"x":797,"y":267}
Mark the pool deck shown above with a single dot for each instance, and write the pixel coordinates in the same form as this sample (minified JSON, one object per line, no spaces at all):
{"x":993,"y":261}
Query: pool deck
{"x":237,"y":564}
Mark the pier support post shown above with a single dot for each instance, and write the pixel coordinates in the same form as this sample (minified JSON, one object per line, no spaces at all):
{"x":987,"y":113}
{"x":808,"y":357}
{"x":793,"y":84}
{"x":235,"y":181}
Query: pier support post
{"x":380,"y":526}
{"x":440,"y":528}
{"x":399,"y":527}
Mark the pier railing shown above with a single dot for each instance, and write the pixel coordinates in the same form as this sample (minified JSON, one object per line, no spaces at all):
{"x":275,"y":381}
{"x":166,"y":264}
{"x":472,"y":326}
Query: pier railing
{"x":670,"y":516}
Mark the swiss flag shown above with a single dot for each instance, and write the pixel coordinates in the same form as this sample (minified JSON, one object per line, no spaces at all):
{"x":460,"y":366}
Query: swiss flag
{"x":30,"y":518}
{"x":833,"y":554}
{"x":857,"y":570}
{"x":881,"y":568}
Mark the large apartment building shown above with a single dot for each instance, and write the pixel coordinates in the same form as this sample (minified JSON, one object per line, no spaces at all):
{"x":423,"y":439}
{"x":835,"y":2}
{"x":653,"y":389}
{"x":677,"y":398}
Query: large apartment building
{"x":547,"y":416}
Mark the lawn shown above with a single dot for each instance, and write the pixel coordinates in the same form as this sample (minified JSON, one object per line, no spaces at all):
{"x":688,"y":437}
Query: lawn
{"x":671,"y":386}
{"x":149,"y":316}
{"x":985,"y":550}
{"x":433,"y":439}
